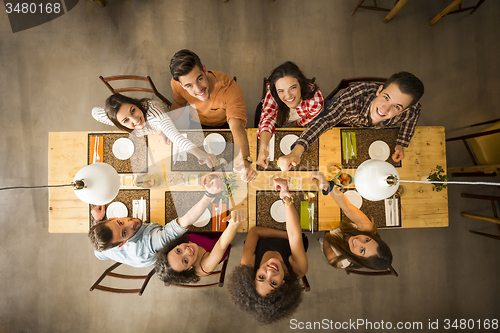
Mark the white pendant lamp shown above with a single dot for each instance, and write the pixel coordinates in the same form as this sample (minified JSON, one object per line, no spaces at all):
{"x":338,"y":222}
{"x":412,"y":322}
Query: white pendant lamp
{"x":96,"y":184}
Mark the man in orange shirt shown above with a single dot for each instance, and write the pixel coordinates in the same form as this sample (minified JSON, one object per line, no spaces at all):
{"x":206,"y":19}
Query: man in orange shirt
{"x":216,"y":102}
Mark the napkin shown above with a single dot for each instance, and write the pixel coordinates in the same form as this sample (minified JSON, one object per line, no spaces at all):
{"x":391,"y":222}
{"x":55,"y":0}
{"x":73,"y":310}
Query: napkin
{"x":304,"y":215}
{"x":100,"y":149}
{"x":179,"y":155}
{"x":215,"y":218}
{"x":395,"y":221}
{"x":270,"y":149}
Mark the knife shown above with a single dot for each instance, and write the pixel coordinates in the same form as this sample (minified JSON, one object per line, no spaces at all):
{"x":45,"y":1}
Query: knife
{"x":352,"y":146}
{"x":346,"y":150}
{"x":220,"y":214}
{"x":394,"y":215}
{"x":312,"y":219}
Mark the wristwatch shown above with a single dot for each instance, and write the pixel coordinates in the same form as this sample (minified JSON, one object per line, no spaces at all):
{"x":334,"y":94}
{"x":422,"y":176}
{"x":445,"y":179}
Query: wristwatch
{"x":248,"y":159}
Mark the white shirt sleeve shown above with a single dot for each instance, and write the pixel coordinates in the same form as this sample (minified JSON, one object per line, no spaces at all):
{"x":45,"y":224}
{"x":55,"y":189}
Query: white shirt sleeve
{"x":160,"y":121}
{"x":166,"y":234}
{"x":99,"y":114}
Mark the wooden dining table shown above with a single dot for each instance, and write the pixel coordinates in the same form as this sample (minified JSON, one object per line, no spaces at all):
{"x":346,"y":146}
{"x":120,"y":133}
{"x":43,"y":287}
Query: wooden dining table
{"x":420,"y":206}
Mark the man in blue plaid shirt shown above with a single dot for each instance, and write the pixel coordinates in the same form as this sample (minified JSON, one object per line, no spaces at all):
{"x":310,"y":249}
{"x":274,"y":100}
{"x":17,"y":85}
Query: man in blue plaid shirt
{"x":367,"y":104}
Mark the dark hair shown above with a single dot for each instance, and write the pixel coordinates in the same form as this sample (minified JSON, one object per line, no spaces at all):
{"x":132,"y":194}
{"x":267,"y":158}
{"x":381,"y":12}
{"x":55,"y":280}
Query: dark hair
{"x":183,"y":62}
{"x":288,"y":69}
{"x":381,"y":261}
{"x":114,"y":103}
{"x":408,"y":83}
{"x":166,"y":273}
{"x":101,"y":236}
{"x":277,"y":305}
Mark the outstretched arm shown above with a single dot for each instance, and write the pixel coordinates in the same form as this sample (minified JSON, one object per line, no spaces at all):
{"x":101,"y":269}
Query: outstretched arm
{"x":215,"y":186}
{"x":298,"y":260}
{"x":211,"y":261}
{"x":352,"y":212}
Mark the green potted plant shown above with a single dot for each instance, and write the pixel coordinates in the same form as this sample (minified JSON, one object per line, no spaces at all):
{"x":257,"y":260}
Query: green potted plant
{"x":438,"y":174}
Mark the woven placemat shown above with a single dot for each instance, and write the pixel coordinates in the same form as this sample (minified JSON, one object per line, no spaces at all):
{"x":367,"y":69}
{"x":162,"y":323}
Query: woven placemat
{"x":265,"y":200}
{"x":126,"y":197}
{"x":364,"y":138}
{"x":197,"y":138}
{"x":375,"y":210}
{"x":308,"y":162}
{"x":177,"y":203}
{"x":137,"y":163}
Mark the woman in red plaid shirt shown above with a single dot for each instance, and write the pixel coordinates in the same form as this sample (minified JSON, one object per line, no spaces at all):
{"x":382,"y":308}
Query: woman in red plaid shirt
{"x":291,"y":100}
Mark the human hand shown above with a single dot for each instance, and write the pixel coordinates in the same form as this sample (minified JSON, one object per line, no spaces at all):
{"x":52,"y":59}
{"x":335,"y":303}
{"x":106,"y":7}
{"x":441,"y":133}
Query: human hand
{"x":247,"y":173}
{"x":398,"y":153}
{"x":281,"y":185}
{"x":320,"y":177}
{"x":287,"y":161}
{"x":236,"y":217}
{"x":207,"y":159}
{"x":215,"y":186}
{"x":262,"y":158}
{"x":164,"y":138}
{"x":98,"y":212}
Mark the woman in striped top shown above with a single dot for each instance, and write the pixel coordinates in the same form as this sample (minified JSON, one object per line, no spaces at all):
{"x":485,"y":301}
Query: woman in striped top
{"x":143,"y":117}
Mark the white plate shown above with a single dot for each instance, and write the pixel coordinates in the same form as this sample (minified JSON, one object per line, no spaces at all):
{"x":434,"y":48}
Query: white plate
{"x":204,"y":219}
{"x":354,"y":198}
{"x":278,"y":211}
{"x":116,"y":209}
{"x":287,"y":142}
{"x":123,"y":148}
{"x":379,"y":150}
{"x":216,"y":142}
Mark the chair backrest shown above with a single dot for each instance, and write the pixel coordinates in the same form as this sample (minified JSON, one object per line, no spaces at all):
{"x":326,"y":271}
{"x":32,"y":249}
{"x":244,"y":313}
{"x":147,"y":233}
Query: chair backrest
{"x":389,"y":271}
{"x":485,"y":145}
{"x":109,"y":272}
{"x":220,"y":283}
{"x":152,"y":90}
{"x":344,"y":83}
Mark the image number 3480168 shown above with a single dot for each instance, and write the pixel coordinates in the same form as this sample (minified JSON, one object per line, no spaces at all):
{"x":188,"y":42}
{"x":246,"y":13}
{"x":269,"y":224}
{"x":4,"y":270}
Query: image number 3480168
{"x":27,"y":14}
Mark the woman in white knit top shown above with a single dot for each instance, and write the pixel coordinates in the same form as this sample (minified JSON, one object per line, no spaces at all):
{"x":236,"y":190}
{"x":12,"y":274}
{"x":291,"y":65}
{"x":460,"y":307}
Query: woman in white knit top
{"x":143,"y":117}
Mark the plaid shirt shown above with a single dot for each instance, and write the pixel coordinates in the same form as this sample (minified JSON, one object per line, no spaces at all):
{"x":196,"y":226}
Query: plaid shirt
{"x":352,"y":108}
{"x":306,"y":110}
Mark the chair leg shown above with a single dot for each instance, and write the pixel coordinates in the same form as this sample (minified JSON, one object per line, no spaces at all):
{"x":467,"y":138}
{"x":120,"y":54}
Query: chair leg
{"x":394,"y":10}
{"x":146,"y":281}
{"x":104,"y":275}
{"x":357,"y":6}
{"x":445,"y":11}
{"x":487,"y":235}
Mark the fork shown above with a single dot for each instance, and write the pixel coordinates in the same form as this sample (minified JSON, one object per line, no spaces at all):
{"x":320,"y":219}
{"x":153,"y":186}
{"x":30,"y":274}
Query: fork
{"x":97,"y":157}
{"x":391,"y":218}
{"x":353,"y":155}
{"x":309,"y":209}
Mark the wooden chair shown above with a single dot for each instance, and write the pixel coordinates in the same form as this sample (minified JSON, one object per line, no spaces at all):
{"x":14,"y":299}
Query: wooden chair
{"x":389,"y":271}
{"x":109,"y":272}
{"x":305,"y":283}
{"x":152,"y":90}
{"x":344,"y":83}
{"x":481,"y":217}
{"x":483,"y":148}
{"x":100,"y":2}
{"x":448,"y":10}
{"x":392,"y":12}
{"x":264,"y":92}
{"x":220,"y":283}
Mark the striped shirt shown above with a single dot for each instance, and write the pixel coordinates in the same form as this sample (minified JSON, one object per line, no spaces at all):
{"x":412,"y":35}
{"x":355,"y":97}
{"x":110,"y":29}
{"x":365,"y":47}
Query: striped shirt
{"x":157,"y":120}
{"x":306,"y":110}
{"x":352,"y":108}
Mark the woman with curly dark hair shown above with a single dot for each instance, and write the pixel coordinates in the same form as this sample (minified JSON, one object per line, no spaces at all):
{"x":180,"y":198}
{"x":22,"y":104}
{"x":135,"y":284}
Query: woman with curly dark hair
{"x":188,"y":258}
{"x":291,"y":100}
{"x":266,"y":284}
{"x":355,"y":244}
